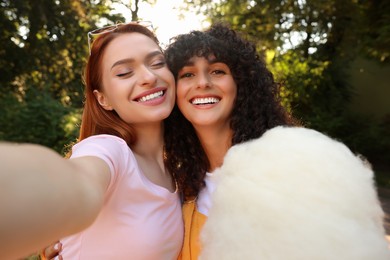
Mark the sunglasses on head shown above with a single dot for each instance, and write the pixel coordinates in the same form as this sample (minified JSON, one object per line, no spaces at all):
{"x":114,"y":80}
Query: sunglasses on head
{"x":112,"y":28}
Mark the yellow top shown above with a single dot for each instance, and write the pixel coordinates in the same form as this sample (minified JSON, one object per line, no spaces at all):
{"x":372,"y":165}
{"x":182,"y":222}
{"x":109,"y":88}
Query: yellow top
{"x":193,"y":223}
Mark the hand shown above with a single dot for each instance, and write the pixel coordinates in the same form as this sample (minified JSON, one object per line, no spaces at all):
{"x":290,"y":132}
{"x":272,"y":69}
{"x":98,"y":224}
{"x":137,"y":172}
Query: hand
{"x":52,"y":252}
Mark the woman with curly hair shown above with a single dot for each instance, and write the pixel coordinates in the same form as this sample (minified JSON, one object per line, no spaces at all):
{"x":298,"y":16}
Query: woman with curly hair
{"x":225,"y":96}
{"x":253,"y":109}
{"x":245,"y":168}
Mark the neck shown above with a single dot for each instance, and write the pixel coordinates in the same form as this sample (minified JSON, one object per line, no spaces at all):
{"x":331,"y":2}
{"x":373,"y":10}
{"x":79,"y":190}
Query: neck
{"x":215,"y":142}
{"x":149,"y":150}
{"x":150,"y":141}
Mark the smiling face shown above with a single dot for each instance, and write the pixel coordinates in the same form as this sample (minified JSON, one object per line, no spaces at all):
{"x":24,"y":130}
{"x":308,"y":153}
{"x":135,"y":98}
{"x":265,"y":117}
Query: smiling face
{"x":206,"y":92}
{"x":136,"y":81}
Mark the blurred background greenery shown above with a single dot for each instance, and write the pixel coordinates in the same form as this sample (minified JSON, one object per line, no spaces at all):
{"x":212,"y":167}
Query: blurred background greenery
{"x":332,"y":57}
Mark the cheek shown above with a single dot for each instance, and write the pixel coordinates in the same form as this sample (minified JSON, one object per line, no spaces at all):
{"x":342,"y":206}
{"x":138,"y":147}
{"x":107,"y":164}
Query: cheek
{"x":180,"y":101}
{"x":113,"y":88}
{"x":231,"y":88}
{"x":168,"y":77}
{"x":180,"y":96}
{"x":180,"y":91}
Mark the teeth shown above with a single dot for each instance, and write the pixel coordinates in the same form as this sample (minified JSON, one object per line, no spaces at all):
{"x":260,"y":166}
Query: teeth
{"x":201,"y":101}
{"x":151,"y":96}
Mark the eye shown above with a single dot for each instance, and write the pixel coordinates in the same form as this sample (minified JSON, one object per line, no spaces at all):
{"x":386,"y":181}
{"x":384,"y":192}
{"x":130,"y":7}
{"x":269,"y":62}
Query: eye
{"x":124,"y":74}
{"x":186,"y":75}
{"x":158,"y":63}
{"x":218,"y":72}
{"x":219,"y":69}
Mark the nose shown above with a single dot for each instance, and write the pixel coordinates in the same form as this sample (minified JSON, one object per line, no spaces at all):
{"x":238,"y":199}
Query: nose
{"x":146,"y":76}
{"x":204,"y":80}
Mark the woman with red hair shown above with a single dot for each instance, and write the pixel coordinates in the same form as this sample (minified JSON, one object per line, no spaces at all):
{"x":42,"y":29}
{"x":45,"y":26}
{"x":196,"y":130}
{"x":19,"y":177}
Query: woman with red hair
{"x":114,"y":190}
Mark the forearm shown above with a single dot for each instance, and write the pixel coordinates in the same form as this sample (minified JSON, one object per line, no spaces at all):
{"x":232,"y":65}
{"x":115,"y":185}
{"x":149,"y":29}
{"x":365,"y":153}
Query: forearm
{"x":43,"y":198}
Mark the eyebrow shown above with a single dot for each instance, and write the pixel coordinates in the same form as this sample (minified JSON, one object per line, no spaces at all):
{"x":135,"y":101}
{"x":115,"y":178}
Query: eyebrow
{"x":210,"y":61}
{"x":130,"y":60}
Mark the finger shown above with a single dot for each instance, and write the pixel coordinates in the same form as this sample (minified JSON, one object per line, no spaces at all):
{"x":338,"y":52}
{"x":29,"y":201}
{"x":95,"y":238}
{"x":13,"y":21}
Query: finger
{"x":53,"y":250}
{"x":58,"y":257}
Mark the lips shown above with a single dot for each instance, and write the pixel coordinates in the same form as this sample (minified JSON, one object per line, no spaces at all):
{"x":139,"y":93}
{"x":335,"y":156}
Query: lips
{"x":150,"y":95}
{"x":204,"y":100}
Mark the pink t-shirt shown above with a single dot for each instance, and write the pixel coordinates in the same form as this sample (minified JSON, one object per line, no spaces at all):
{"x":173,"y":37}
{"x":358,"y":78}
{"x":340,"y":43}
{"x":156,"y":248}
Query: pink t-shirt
{"x":139,"y":220}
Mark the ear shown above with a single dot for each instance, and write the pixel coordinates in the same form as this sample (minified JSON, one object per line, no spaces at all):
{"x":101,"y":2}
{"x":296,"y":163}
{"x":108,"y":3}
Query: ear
{"x":102,"y":99}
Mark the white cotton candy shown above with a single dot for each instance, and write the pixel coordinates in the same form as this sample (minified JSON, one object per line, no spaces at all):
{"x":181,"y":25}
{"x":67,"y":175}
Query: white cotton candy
{"x":294,"y":194}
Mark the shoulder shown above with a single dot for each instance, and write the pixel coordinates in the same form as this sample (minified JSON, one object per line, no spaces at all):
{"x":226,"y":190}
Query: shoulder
{"x":102,"y":143}
{"x":101,"y":140}
{"x":112,"y":149}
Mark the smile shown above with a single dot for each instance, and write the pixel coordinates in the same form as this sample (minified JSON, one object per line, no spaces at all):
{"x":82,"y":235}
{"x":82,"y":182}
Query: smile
{"x":152,"y":96}
{"x":205,"y":101}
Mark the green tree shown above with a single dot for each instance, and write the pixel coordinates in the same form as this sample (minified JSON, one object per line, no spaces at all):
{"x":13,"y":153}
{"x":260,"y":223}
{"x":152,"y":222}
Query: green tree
{"x":134,"y":7}
{"x":377,"y":34}
{"x":44,"y":48}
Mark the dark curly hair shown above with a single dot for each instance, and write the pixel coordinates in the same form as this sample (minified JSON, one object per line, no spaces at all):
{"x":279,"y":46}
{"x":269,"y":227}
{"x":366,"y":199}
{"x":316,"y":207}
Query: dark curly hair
{"x":257,"y":106}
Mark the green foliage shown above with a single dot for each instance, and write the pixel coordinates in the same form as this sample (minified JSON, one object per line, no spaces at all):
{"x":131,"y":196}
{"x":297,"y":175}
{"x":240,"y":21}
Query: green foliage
{"x":377,"y":38}
{"x":301,"y":80}
{"x":44,"y":47}
{"x":382,"y":179}
{"x":39,"y":118}
{"x":370,"y":137}
{"x":309,"y":92}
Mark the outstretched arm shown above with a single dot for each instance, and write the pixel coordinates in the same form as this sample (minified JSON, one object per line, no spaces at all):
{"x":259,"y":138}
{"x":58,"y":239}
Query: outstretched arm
{"x":45,"y":197}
